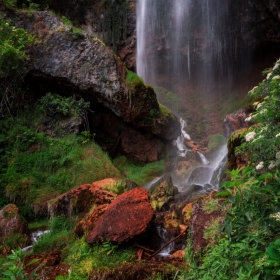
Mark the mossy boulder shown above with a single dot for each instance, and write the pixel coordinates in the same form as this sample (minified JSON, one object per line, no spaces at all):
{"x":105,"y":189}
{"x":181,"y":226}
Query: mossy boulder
{"x":115,"y":185}
{"x":162,"y":192}
{"x":13,"y":229}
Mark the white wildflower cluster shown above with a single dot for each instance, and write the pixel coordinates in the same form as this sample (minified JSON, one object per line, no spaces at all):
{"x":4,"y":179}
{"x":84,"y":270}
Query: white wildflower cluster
{"x":260,"y":166}
{"x":268,"y":75}
{"x":256,"y":103}
{"x":276,"y":65}
{"x":277,"y":135}
{"x":276,"y":77}
{"x":263,"y":111}
{"x":248,"y":119}
{"x":275,"y":216}
{"x":259,"y":106}
{"x":272,"y":165}
{"x":250,"y":136}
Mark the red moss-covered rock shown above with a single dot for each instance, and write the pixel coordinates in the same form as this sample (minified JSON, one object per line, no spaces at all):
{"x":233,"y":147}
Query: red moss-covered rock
{"x":126,"y":218}
{"x":86,"y":225}
{"x":80,"y":199}
{"x":11,"y":222}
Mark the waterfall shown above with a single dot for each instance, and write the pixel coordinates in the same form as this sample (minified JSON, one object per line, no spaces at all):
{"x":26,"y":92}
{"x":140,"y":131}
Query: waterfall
{"x":204,"y":160}
{"x":182,"y":149}
{"x":189,"y":43}
{"x":164,"y":237}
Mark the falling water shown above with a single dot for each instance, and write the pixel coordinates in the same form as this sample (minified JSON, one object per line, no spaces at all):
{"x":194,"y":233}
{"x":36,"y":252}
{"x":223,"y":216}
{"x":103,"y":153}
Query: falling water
{"x":182,"y":149}
{"x":189,"y":42}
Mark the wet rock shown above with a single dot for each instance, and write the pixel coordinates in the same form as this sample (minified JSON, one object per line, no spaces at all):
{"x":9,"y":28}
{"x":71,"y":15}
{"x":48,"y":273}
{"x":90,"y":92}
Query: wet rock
{"x":117,"y":137}
{"x":162,"y":192}
{"x":11,"y":222}
{"x":235,"y":121}
{"x":126,"y":218}
{"x":80,"y":200}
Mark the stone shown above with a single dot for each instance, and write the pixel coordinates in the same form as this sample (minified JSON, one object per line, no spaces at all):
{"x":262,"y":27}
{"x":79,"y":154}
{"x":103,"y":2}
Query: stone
{"x":162,"y":192}
{"x":71,"y":62}
{"x":235,"y":121}
{"x":11,"y":222}
{"x":127,"y":218}
{"x":80,"y":200}
{"x":87,"y":223}
{"x":115,"y":185}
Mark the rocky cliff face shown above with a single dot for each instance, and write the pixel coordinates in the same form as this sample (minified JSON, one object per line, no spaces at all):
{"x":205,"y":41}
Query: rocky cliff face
{"x":70,"y":62}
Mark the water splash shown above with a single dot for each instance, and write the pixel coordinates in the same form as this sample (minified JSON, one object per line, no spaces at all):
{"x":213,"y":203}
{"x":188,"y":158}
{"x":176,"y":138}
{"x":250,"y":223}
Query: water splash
{"x":180,"y":141}
{"x":164,"y":237}
{"x":204,"y":160}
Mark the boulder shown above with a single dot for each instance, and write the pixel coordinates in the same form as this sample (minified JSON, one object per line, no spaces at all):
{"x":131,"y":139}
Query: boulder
{"x":11,"y":222}
{"x":127,"y":218}
{"x":115,"y":185}
{"x":162,"y":192}
{"x":235,"y":121}
{"x":80,"y":199}
{"x":68,"y":61}
{"x":88,"y":222}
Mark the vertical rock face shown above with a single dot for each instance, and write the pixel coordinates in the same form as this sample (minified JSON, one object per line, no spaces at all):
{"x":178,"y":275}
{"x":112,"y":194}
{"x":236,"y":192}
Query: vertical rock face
{"x":68,"y":61}
{"x":126,"y":218}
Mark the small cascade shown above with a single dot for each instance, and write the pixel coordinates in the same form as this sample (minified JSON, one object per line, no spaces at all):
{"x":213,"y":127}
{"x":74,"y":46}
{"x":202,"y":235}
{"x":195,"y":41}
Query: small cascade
{"x":208,"y":175}
{"x":204,"y":160}
{"x":182,"y":149}
{"x":34,"y":236}
{"x":164,"y":237}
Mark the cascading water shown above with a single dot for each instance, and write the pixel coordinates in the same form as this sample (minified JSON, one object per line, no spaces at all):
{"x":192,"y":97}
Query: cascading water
{"x":188,"y":41}
{"x":187,"y":47}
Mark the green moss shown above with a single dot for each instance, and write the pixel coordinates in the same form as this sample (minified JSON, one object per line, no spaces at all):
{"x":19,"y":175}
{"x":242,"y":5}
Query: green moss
{"x":138,"y":172}
{"x":133,"y":80}
{"x":167,"y":114}
{"x":216,"y":141}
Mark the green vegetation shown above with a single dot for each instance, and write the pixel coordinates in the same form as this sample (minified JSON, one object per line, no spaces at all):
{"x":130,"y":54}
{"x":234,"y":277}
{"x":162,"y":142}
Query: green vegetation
{"x":86,"y":260}
{"x":137,"y":172}
{"x":59,"y":236}
{"x":12,"y":267}
{"x":248,"y":239}
{"x":133,"y":80}
{"x":36,"y":167}
{"x":13,"y":42}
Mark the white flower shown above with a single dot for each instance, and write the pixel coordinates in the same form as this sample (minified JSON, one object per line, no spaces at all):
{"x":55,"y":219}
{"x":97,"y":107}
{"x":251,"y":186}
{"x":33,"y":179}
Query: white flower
{"x":260,"y":166}
{"x":263,"y":111}
{"x":255,"y":103}
{"x":276,"y":77}
{"x":275,"y":216}
{"x":259,"y":106}
{"x":250,"y":136}
{"x":277,"y":135}
{"x":271,"y":165}
{"x":276,"y":65}
{"x":248,"y":119}
{"x":268,"y":75}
